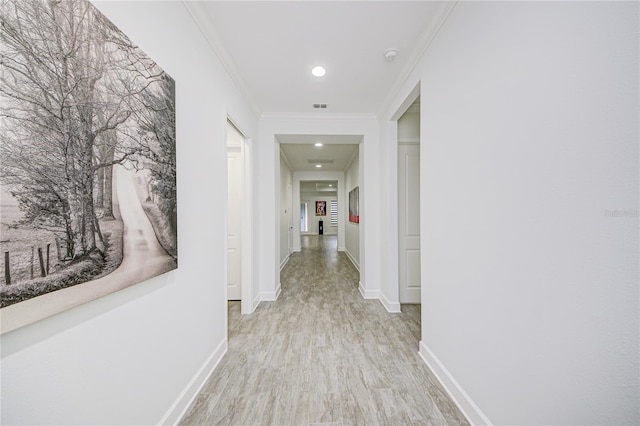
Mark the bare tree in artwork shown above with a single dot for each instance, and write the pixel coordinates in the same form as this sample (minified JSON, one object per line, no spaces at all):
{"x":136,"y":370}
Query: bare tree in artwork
{"x":78,"y":99}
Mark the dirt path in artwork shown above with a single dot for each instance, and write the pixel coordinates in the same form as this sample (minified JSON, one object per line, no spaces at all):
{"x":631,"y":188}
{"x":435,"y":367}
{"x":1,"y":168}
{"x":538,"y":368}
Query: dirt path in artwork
{"x":143,"y":258}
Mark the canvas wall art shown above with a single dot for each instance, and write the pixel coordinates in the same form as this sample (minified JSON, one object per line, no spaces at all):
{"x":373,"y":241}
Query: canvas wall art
{"x":321,"y":208}
{"x":88,"y":169}
{"x":354,"y":205}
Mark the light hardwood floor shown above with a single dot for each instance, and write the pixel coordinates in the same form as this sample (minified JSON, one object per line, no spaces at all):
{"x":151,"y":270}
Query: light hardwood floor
{"x":321,"y":354}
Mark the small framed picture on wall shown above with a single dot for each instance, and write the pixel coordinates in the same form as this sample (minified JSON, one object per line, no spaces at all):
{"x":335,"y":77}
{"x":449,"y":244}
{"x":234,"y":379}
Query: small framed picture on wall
{"x":354,"y":205}
{"x":321,"y":208}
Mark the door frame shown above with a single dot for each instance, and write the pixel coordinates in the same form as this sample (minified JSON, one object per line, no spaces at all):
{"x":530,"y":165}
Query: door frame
{"x":394,"y":234}
{"x":247,"y":304}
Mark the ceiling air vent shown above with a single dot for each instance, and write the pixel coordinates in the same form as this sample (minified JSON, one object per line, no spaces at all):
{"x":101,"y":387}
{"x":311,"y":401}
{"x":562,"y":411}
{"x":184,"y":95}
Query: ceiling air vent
{"x":320,"y":106}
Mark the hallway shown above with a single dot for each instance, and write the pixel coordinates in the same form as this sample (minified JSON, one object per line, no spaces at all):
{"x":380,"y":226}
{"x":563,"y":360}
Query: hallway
{"x":322,"y":354}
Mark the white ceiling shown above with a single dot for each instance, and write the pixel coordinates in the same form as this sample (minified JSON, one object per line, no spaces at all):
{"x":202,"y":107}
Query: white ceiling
{"x":334,"y":155}
{"x":270,"y":48}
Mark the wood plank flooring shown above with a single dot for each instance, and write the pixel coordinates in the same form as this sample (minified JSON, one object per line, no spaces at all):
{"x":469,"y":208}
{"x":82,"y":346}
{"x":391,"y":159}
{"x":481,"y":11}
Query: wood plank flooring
{"x":321,"y":354}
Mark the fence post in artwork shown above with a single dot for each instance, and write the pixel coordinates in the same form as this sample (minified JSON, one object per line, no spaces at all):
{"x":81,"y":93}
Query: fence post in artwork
{"x":58,"y":249}
{"x":48,"y":248}
{"x":32,"y":248}
{"x":7,"y":273}
{"x":42,"y":271}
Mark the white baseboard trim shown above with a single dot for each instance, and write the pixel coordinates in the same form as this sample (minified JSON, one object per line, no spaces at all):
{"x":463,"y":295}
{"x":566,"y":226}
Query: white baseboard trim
{"x":356,"y":264}
{"x":254,"y":303}
{"x":180,"y":406}
{"x":271,"y":296}
{"x":341,"y":248}
{"x":471,"y":411}
{"x":392,"y":307}
{"x":368,"y":294}
{"x":284,"y":262}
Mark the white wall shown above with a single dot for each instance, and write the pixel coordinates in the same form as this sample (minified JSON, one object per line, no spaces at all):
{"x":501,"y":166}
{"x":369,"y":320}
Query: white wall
{"x":138,"y":355}
{"x":285,"y":210}
{"x":352,"y":231}
{"x":312,"y":197}
{"x":530,"y":210}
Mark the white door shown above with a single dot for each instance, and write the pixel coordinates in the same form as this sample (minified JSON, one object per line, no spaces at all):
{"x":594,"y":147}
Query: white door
{"x":409,"y":222}
{"x":234,"y":227}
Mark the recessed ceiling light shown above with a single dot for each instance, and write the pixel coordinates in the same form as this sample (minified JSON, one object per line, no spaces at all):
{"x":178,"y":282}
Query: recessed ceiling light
{"x":330,"y":185}
{"x":318,"y":71}
{"x":318,"y":165}
{"x":318,"y":144}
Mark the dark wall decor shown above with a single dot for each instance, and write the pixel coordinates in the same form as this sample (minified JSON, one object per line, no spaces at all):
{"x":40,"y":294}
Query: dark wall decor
{"x":354,"y":205}
{"x":88,"y":171}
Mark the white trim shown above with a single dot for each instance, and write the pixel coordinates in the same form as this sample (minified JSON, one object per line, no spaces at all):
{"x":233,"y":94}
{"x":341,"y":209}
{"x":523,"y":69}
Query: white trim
{"x":471,"y":411}
{"x":408,"y":141}
{"x":271,"y":296}
{"x":377,"y":295}
{"x":286,"y":160}
{"x":392,"y":307}
{"x":432,"y":29}
{"x":368,"y":294}
{"x":284,"y":262}
{"x":356,"y":154}
{"x":246,"y":280}
{"x":317,"y":116}
{"x":351,"y":258}
{"x":180,"y":406}
{"x":415,"y":107}
{"x":206,"y":27}
{"x":254,"y":304}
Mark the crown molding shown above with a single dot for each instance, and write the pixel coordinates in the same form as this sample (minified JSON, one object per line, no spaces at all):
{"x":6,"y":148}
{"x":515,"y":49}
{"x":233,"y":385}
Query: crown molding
{"x":356,"y":154}
{"x":286,"y":160}
{"x":199,"y":14}
{"x":428,"y":35}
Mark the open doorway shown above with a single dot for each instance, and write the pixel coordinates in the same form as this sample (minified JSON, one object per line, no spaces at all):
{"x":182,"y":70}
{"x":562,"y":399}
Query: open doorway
{"x":240,"y":227}
{"x":409,"y":263}
{"x":405,"y":168}
{"x":323,"y":168}
{"x":318,"y":209}
{"x":235,"y":190}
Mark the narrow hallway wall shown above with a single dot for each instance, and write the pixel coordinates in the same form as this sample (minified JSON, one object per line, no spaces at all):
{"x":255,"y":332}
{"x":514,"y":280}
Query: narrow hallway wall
{"x":137,"y":356}
{"x":530,"y":304}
